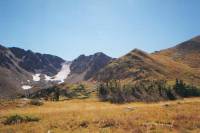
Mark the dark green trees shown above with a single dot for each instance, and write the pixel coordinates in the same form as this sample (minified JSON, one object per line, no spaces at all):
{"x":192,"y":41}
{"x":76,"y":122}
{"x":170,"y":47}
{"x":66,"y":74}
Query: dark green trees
{"x":184,"y":90}
{"x":145,"y":90}
{"x":111,"y":91}
{"x":56,"y":94}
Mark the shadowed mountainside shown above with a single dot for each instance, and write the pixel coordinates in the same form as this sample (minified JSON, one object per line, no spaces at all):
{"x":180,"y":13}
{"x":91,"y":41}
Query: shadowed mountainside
{"x":17,"y":67}
{"x":85,"y":67}
{"x":36,"y":62}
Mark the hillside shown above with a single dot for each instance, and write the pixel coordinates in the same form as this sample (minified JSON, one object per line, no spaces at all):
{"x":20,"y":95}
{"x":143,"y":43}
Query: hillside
{"x":136,"y":64}
{"x":181,"y":61}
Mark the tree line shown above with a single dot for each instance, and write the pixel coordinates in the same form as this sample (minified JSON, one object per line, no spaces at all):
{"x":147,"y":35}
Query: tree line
{"x":145,"y":90}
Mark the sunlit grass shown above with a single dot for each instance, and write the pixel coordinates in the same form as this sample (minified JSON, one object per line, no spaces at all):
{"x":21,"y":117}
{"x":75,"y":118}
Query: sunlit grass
{"x":91,"y":115}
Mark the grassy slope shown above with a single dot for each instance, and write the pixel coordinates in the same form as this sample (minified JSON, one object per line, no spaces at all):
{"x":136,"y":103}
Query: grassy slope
{"x":90,"y":115}
{"x":138,"y":65}
{"x":181,"y":61}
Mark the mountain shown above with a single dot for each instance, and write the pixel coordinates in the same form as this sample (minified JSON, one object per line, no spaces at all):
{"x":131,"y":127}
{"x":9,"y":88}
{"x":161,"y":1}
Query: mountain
{"x":136,"y":64}
{"x":11,"y":74}
{"x":21,"y":69}
{"x":181,"y":61}
{"x":85,"y":67}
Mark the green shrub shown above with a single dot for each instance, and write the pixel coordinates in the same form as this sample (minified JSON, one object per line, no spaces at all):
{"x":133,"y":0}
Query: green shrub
{"x":36,"y":102}
{"x":16,"y":119}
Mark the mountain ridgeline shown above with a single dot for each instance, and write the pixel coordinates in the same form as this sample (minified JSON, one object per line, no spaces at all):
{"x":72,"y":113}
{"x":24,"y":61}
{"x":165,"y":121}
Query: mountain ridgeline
{"x":36,"y":62}
{"x":20,"y":67}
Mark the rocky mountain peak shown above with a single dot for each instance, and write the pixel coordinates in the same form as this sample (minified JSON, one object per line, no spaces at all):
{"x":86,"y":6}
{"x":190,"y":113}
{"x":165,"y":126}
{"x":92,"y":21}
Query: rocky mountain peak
{"x":87,"y":66}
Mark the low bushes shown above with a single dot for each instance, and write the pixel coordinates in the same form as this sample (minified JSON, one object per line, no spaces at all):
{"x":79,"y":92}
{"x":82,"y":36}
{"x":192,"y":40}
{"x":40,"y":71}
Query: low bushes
{"x":16,"y":119}
{"x":36,"y":102}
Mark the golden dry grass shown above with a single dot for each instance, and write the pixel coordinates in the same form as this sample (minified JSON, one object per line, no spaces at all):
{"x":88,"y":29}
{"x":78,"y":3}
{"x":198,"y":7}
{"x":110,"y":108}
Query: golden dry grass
{"x":92,"y":116}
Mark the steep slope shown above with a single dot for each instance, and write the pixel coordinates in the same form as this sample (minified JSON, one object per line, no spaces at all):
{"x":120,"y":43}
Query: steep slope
{"x":11,"y":74}
{"x":85,"y":67}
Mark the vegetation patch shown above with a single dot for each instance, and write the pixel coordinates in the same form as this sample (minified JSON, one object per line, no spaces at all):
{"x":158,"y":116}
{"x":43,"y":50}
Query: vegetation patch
{"x":108,"y":123}
{"x":84,"y":124}
{"x":145,"y":90}
{"x":16,"y":119}
{"x":57,"y":93}
{"x":36,"y":102}
{"x":185,"y":90}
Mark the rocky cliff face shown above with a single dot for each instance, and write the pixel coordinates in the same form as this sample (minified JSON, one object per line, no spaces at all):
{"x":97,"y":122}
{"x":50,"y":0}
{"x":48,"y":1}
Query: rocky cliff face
{"x":36,"y":62}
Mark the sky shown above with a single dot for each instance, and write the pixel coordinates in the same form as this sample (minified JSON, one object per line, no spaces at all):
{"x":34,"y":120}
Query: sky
{"x":68,"y":28}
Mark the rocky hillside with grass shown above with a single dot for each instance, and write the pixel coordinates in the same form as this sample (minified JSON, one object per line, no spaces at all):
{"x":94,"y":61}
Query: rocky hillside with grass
{"x":181,"y":61}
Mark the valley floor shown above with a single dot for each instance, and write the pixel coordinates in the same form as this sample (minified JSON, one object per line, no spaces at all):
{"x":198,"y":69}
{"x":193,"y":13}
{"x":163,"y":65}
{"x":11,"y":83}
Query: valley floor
{"x":93,"y":116}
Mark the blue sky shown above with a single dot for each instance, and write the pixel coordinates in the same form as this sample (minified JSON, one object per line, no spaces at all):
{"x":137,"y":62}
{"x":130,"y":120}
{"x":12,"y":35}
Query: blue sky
{"x":68,"y":28}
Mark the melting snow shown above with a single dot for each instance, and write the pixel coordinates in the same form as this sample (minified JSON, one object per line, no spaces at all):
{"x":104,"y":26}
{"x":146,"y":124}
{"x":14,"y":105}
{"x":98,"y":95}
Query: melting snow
{"x":26,"y":87}
{"x":36,"y":77}
{"x":60,"y":76}
{"x":47,"y":77}
{"x":64,"y":72}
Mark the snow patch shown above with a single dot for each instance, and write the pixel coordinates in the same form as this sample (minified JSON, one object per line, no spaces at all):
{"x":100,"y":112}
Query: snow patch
{"x":47,"y":77}
{"x":26,"y":87}
{"x":36,"y":77}
{"x":64,"y":72}
{"x":61,"y":75}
